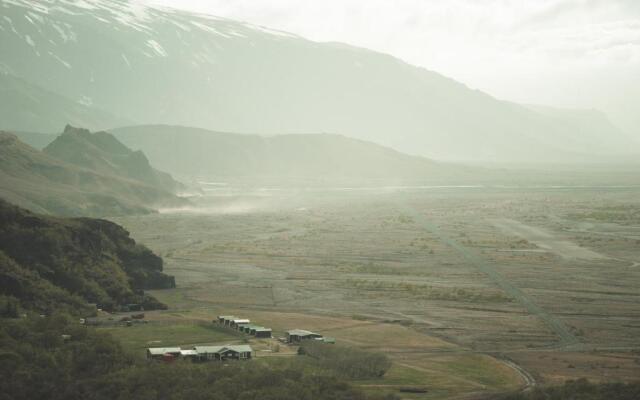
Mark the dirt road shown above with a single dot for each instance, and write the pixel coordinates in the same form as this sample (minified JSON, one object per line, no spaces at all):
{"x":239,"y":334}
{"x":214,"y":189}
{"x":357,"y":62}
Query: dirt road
{"x":546,"y":240}
{"x":557,"y":326}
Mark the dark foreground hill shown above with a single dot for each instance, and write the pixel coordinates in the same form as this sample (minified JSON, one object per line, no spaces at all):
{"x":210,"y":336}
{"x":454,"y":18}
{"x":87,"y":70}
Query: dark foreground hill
{"x":42,"y":183}
{"x":208,"y":154}
{"x":51,"y":264}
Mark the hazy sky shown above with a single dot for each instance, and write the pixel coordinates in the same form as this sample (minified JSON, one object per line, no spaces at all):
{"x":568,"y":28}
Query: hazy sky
{"x":573,"y":53}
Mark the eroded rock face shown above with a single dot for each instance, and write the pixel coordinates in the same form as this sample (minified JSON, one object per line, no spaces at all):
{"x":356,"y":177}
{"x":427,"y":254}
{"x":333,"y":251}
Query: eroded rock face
{"x":103,"y":153}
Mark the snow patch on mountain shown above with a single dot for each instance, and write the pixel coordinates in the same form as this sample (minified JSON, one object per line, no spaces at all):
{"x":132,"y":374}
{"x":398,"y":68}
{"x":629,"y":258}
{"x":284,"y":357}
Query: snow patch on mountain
{"x":209,"y":29}
{"x":126,"y":60}
{"x":65,"y":32}
{"x":60,"y":60}
{"x":85,"y":101}
{"x":29,"y":41}
{"x":236,"y":33}
{"x":33,"y":5}
{"x":35,"y":16}
{"x":157,"y":47}
{"x":82,"y":4}
{"x":274,"y":32}
{"x":10,"y":23}
{"x":182,"y":26}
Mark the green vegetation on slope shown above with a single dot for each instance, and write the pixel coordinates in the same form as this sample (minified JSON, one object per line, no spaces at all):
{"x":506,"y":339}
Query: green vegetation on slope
{"x":54,"y":358}
{"x":581,"y":390}
{"x":347,"y":361}
{"x":157,"y":334}
{"x":45,"y":184}
{"x":51,"y":263}
{"x":103,"y":153}
{"x":36,"y":140}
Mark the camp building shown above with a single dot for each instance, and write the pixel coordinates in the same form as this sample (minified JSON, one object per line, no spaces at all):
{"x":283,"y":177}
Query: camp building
{"x":298,"y":335}
{"x":161,"y":352}
{"x":202,"y":353}
{"x":244,"y":325}
{"x":233,"y":352}
{"x":226,"y":319}
{"x":261,"y":332}
{"x":236,"y":322}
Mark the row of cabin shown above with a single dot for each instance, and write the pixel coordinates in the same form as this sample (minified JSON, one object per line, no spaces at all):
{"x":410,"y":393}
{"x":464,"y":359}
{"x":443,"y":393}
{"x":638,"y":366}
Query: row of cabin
{"x":244,"y":325}
{"x":201,"y":353}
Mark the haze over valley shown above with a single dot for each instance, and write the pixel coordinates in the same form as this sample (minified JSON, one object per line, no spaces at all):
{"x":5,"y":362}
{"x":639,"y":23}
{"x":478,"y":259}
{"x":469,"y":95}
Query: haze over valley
{"x":197,"y":206}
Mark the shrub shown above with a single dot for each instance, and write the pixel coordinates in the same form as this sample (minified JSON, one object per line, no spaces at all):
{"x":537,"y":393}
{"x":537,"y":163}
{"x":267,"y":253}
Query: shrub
{"x":347,"y":361}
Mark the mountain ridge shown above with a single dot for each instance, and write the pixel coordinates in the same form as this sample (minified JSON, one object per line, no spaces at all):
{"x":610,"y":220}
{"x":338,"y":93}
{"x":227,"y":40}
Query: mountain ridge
{"x":103,"y":153}
{"x":45,"y":184}
{"x":193,"y":152}
{"x":182,"y":68}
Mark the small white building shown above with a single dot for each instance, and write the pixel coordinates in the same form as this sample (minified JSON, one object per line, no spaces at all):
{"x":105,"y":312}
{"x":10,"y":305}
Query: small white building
{"x":159,"y":352}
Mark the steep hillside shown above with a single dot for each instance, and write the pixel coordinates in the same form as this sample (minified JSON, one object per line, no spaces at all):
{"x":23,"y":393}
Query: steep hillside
{"x":28,"y":107}
{"x":583,"y":129}
{"x":163,"y":66}
{"x":103,"y":153}
{"x":198,"y":152}
{"x":34,"y":139}
{"x":55,"y":263}
{"x":44,"y":184}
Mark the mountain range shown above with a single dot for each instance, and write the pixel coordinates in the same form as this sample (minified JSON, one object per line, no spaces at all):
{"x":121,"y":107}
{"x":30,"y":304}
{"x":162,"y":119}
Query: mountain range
{"x":118,"y":61}
{"x":311,"y":158}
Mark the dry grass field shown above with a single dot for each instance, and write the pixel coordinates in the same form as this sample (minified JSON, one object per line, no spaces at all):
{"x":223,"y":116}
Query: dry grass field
{"x":469,"y":290}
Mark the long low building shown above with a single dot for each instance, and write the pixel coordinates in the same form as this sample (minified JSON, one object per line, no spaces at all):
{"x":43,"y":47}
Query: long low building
{"x":226,"y":319}
{"x":298,"y":335}
{"x":255,"y":330}
{"x":244,"y":325}
{"x":235,"y":323}
{"x":160,"y":352}
{"x":234,"y":352}
{"x":202,"y":353}
{"x":261,"y":332}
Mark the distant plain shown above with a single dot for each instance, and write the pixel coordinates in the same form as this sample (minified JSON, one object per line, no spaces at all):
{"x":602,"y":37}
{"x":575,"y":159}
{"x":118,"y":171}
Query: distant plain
{"x":469,"y":289}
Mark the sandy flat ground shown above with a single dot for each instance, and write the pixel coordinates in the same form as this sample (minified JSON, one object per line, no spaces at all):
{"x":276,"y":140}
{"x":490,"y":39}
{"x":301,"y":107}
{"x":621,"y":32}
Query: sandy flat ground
{"x":507,"y":274}
{"x":546,"y":240}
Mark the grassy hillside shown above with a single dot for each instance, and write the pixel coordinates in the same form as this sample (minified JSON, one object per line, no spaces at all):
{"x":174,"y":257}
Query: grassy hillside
{"x":37,"y":363}
{"x":580,"y":390}
{"x":35,"y":139}
{"x":103,"y":153}
{"x":51,"y":264}
{"x":42,"y":183}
